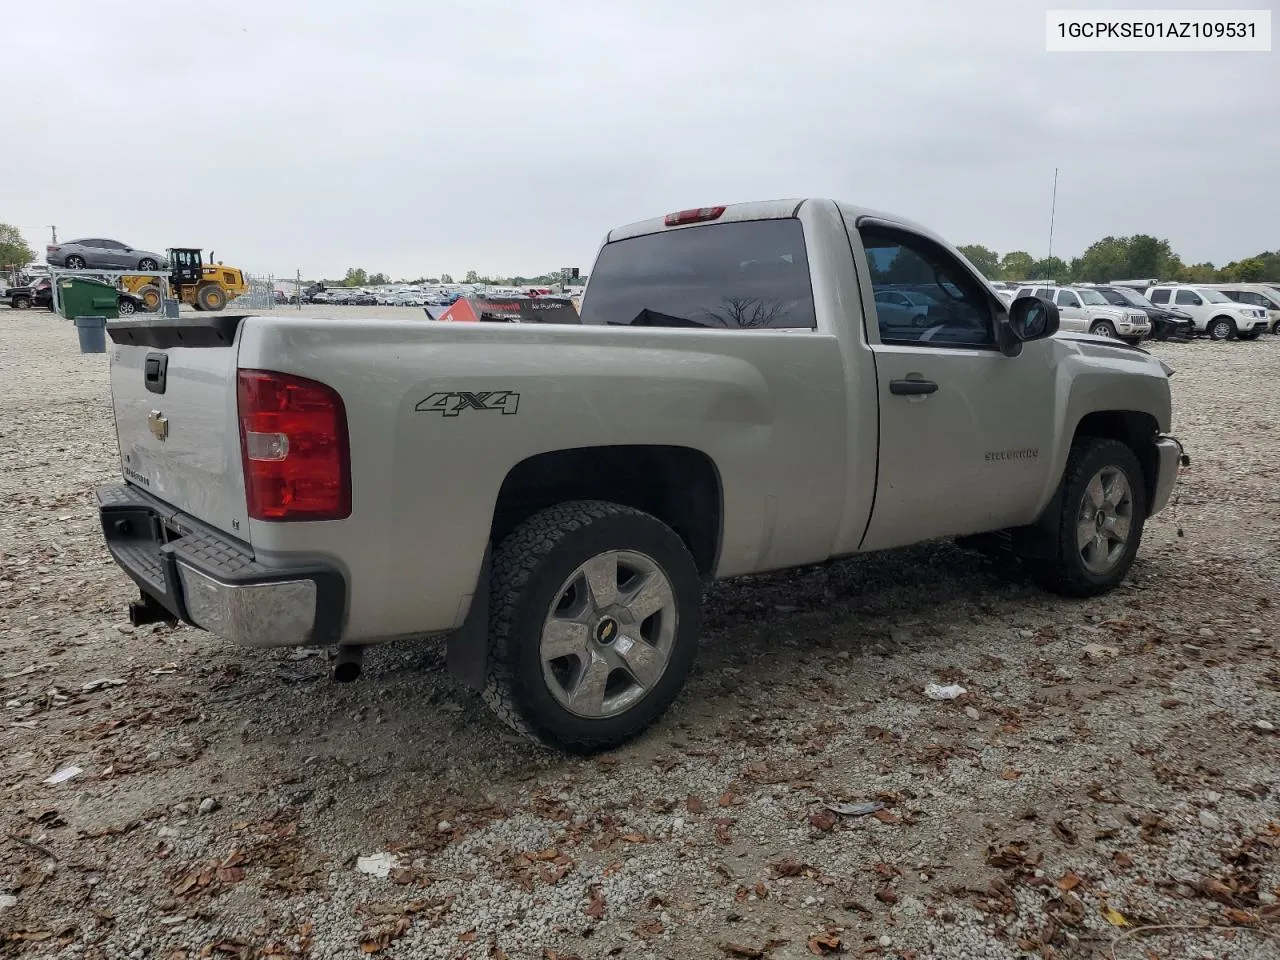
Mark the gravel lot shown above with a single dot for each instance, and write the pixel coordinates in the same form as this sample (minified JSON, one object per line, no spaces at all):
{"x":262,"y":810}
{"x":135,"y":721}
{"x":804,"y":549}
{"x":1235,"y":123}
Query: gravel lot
{"x":1108,"y":786}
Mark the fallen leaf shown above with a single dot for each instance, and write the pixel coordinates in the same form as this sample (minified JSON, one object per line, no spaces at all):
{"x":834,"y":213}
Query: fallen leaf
{"x":1122,"y":859}
{"x":1242,"y":917}
{"x":729,"y":799}
{"x":884,"y":816}
{"x":693,"y":804}
{"x":469,"y":936}
{"x":723,"y":836}
{"x":1010,"y":774}
{"x":1069,"y":881}
{"x":886,"y":895}
{"x":823,"y":819}
{"x":823,"y":944}
{"x":738,"y":950}
{"x":595,"y":905}
{"x":762,"y":892}
{"x":790,"y":868}
{"x":650,"y":929}
{"x":1065,"y":833}
{"x":1114,"y":917}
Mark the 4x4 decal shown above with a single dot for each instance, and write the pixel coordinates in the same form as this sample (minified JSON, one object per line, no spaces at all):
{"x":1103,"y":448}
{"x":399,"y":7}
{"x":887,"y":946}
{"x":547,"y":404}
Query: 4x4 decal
{"x":453,"y":403}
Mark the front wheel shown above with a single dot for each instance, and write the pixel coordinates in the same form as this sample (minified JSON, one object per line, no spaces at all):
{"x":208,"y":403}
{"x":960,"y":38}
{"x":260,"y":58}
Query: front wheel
{"x":22,"y":303}
{"x":1101,"y":511}
{"x":75,"y":263}
{"x":1251,"y":335}
{"x":1222,"y":328}
{"x":1103,"y":328}
{"x":594,"y":616}
{"x":125,"y":307}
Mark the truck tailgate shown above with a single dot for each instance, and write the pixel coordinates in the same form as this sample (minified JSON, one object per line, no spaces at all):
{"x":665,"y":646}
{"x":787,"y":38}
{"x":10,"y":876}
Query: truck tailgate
{"x":173,"y":388}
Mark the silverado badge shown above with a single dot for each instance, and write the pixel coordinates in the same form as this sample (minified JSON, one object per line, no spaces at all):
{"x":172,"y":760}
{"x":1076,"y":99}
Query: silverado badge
{"x":159,"y":424}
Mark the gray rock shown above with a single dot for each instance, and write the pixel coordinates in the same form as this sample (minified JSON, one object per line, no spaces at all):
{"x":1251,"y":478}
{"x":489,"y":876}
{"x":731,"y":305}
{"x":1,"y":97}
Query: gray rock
{"x":208,"y":805}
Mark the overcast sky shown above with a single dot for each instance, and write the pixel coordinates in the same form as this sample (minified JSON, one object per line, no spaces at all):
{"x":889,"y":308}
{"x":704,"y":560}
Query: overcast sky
{"x":440,"y":136}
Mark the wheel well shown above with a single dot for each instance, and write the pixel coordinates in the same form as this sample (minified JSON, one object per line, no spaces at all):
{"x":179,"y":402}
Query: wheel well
{"x":1135,"y":430}
{"x":678,"y":485}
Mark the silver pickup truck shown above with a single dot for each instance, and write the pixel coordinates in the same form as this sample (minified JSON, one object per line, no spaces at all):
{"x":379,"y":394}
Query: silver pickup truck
{"x":552,"y":499}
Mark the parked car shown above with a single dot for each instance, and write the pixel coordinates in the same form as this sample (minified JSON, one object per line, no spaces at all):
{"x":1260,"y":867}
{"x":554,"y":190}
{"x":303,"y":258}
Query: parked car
{"x":1212,"y":311}
{"x":565,"y":550}
{"x":101,"y":254}
{"x":1166,"y":323}
{"x":910,"y":306}
{"x":362,"y":299}
{"x":1256,"y":295}
{"x":35,"y":294}
{"x":1084,"y":310}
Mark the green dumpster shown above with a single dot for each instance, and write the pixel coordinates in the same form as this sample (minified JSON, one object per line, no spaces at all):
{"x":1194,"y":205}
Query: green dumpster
{"x":85,"y":297}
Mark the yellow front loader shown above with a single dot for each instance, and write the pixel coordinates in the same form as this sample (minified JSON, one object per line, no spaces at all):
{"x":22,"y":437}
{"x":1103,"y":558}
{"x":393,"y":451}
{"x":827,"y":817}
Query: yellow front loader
{"x":205,"y":286}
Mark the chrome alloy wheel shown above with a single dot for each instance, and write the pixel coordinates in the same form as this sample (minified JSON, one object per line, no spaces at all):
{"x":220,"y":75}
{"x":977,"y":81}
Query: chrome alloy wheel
{"x":607,"y":639}
{"x":1104,"y":520}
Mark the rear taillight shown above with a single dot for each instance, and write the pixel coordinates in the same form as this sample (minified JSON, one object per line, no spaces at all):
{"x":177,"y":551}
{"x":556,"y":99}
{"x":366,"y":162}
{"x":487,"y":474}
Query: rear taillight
{"x":50,"y":248}
{"x":700,"y":215}
{"x":293,"y":438}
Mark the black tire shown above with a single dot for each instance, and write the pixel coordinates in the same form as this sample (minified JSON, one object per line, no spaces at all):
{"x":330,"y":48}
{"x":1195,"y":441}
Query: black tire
{"x":1221,"y":328}
{"x":211,"y":297}
{"x":75,"y":263}
{"x":528,"y":570}
{"x":21,"y":303}
{"x":1103,"y":328}
{"x":1253,"y":334}
{"x":1066,"y":573}
{"x":152,"y":297}
{"x":146,"y":263}
{"x":125,"y":307}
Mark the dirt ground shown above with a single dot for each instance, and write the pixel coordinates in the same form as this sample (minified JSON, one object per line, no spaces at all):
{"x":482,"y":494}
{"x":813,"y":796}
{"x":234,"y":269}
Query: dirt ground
{"x":1108,"y":786}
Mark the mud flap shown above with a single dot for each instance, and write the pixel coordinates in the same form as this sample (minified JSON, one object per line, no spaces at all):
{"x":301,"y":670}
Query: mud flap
{"x":467,"y":648}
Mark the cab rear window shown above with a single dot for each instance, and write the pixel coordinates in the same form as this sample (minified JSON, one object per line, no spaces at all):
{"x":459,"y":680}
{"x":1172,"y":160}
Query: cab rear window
{"x":745,"y":275}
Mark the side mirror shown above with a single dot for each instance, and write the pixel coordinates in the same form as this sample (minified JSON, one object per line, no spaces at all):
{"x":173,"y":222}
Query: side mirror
{"x":1029,"y":318}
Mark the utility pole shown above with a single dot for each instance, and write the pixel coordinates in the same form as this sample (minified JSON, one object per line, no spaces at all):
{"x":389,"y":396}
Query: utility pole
{"x":297,"y":284}
{"x":54,"y":231}
{"x":1053,"y":209}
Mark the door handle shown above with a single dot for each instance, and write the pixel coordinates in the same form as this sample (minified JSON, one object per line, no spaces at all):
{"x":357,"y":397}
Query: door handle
{"x":912,"y":388}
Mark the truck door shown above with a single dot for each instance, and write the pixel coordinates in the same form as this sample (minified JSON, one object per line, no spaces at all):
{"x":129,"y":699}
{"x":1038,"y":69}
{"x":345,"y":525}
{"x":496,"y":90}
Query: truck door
{"x":966,"y":433}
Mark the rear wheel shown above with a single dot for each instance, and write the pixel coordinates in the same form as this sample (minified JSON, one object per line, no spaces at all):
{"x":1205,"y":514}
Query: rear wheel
{"x":75,"y":263}
{"x":1103,"y":507}
{"x":146,"y":263}
{"x":22,"y":303}
{"x":1103,"y":328}
{"x":1222,"y":328}
{"x":211,"y":297}
{"x":125,"y":307}
{"x":594,"y":618}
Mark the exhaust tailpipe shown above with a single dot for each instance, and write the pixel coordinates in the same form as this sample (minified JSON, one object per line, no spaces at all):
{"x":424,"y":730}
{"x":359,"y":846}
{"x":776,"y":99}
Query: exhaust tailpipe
{"x":346,"y":668}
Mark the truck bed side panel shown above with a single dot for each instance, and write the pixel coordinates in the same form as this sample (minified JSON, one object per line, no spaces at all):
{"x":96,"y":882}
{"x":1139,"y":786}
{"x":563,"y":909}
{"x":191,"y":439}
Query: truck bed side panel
{"x":767,"y":407}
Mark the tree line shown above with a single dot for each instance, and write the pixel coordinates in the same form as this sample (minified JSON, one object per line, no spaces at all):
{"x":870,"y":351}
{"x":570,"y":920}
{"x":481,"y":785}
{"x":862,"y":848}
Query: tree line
{"x":1121,"y":258}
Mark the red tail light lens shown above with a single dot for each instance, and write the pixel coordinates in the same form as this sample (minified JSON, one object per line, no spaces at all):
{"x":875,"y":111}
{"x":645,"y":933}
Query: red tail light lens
{"x":700,"y":215}
{"x":293,"y":439}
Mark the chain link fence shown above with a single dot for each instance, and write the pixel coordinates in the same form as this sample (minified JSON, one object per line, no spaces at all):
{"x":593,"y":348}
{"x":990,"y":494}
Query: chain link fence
{"x":260,"y":296}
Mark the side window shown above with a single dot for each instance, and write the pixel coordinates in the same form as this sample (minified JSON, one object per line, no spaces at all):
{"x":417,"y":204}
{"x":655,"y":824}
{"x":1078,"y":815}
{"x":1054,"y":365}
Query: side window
{"x":1159,"y":296}
{"x":1067,"y":299}
{"x":1246,"y":296}
{"x":1023,"y":292}
{"x":1044,"y":293}
{"x":940,"y":303}
{"x":1189,"y":297}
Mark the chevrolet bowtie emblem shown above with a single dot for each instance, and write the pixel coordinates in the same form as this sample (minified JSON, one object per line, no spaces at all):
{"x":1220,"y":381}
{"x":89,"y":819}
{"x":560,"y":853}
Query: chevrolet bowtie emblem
{"x":159,"y":424}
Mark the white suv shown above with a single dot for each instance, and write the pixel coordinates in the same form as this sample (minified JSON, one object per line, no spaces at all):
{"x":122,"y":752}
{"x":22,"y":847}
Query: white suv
{"x":1212,"y":311}
{"x":1087,"y":311}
